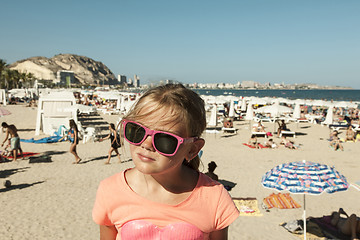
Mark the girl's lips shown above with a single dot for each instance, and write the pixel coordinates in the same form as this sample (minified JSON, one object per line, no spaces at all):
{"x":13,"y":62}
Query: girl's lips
{"x":145,"y":158}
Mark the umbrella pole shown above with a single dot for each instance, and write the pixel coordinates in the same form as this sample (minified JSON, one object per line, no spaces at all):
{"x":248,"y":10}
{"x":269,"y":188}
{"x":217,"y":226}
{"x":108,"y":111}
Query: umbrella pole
{"x":304,"y":220}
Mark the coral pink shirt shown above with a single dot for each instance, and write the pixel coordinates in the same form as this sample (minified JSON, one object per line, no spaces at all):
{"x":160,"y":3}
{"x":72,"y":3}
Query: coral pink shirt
{"x":209,"y":208}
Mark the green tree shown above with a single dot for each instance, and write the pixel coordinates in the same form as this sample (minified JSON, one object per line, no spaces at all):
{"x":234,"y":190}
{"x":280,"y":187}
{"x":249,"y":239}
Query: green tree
{"x":2,"y":69}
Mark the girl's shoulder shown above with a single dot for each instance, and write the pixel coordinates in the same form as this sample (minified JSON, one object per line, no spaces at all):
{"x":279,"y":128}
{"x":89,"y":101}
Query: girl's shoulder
{"x":114,"y":181}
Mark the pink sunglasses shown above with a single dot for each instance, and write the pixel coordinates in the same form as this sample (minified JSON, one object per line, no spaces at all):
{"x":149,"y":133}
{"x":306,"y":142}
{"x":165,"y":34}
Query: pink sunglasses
{"x":165,"y":143}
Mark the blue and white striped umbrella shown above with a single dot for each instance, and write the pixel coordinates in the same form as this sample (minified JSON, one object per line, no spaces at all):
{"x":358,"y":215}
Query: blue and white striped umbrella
{"x":305,"y":177}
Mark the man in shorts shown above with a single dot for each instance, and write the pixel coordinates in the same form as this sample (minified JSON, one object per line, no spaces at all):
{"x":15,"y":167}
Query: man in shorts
{"x":14,"y":140}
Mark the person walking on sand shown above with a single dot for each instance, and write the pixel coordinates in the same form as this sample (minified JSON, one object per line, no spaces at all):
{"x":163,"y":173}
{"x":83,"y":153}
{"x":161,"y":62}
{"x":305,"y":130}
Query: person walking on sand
{"x":164,"y":196}
{"x":115,"y":142}
{"x":14,"y":139}
{"x":74,"y":139}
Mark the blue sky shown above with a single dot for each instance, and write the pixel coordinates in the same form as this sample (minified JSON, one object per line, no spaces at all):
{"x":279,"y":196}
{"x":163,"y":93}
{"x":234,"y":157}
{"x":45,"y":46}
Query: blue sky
{"x":205,"y":41}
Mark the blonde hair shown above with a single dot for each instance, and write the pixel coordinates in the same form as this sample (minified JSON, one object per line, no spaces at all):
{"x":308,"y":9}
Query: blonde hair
{"x":184,"y":105}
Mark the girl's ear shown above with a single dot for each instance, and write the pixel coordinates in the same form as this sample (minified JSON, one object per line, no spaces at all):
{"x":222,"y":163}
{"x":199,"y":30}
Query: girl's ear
{"x":195,"y":149}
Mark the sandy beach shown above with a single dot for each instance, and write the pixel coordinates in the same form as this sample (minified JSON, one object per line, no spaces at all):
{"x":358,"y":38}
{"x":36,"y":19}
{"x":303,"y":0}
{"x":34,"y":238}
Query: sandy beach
{"x":54,"y":200}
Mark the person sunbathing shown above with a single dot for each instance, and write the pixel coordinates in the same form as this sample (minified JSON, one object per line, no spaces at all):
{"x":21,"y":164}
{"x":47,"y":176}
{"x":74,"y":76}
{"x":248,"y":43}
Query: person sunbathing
{"x":287,"y":143}
{"x":258,"y":127}
{"x":271,"y":144}
{"x":350,"y":134}
{"x":348,"y":226}
{"x":336,"y":143}
{"x":282,"y":127}
{"x":253,"y":142}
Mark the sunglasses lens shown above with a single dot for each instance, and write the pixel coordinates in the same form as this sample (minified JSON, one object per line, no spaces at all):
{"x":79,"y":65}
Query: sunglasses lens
{"x":134,"y":133}
{"x":165,"y":143}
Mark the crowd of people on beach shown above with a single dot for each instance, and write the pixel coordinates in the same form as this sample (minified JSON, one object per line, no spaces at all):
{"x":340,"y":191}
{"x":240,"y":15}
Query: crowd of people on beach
{"x":164,"y":131}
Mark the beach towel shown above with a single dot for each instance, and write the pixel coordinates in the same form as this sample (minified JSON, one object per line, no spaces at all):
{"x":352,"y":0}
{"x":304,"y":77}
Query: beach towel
{"x":281,"y":201}
{"x":51,"y":139}
{"x":260,"y":145}
{"x":26,"y":154}
{"x":247,"y":206}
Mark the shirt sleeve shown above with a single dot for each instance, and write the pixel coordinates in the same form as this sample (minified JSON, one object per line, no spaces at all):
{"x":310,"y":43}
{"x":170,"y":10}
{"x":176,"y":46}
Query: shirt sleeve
{"x":100,"y":213}
{"x":226,"y":212}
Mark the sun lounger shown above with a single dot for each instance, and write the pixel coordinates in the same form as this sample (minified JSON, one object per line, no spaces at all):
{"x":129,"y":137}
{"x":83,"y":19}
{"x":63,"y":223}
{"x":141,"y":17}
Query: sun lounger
{"x":229,"y":130}
{"x":302,"y":120}
{"x":337,"y":127}
{"x":261,"y":134}
{"x":283,"y":132}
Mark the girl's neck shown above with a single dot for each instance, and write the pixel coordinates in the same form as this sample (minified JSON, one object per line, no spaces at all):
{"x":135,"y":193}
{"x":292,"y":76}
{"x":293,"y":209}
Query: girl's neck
{"x":175,"y":181}
{"x":163,"y":188}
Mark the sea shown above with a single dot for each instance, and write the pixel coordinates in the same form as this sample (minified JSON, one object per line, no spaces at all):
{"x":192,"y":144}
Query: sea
{"x":328,"y":94}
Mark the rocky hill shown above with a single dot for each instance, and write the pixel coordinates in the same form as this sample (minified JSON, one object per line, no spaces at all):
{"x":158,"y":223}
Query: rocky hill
{"x":86,"y":70}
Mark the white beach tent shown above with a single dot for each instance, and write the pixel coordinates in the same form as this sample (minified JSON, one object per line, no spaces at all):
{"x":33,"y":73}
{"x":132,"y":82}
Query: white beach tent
{"x":55,"y":109}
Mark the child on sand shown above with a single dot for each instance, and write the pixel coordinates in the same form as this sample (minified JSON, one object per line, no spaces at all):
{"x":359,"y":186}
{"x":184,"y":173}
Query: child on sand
{"x":5,"y":153}
{"x":115,"y":142}
{"x":74,"y":139}
{"x":164,"y":196}
{"x":12,"y":132}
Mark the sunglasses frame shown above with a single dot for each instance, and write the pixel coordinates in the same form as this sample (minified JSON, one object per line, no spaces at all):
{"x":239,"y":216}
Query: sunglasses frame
{"x":150,"y":132}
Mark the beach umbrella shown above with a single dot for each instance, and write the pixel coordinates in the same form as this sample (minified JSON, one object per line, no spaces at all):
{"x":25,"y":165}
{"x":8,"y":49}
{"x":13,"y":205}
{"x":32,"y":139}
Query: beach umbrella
{"x":329,"y":116}
{"x":4,"y":112}
{"x":249,"y":112}
{"x":305,"y":178}
{"x":232,"y":109}
{"x":297,"y":111}
{"x":243,"y":105}
{"x":275,"y":110}
{"x":345,"y":104}
{"x":213,"y":117}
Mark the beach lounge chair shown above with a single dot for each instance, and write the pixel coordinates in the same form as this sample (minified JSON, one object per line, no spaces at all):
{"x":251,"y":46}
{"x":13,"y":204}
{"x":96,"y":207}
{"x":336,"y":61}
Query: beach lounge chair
{"x":229,"y":130}
{"x":261,"y":134}
{"x":284,"y":132}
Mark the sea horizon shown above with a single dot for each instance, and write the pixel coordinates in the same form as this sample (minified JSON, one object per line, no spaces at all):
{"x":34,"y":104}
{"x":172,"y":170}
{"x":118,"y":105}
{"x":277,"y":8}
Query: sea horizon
{"x":351,"y":95}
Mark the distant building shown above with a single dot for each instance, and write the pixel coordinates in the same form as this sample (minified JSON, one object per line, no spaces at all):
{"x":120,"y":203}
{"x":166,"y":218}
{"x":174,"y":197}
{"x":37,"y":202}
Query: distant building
{"x":122,"y":79}
{"x":130,"y":82}
{"x":136,"y":81}
{"x":65,"y":78}
{"x":248,"y":84}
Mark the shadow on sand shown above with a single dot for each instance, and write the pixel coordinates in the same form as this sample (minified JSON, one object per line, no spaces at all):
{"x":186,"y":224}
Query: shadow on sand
{"x":20,"y":186}
{"x":8,"y":172}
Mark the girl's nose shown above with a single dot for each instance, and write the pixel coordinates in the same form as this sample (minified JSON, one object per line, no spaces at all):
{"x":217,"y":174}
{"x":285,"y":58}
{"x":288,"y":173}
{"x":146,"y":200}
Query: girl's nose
{"x":147,"y":144}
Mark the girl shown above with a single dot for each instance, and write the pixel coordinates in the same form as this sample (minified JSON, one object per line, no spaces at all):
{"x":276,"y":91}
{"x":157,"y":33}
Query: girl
{"x":115,"y":142}
{"x":74,"y":139}
{"x":164,"y":196}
